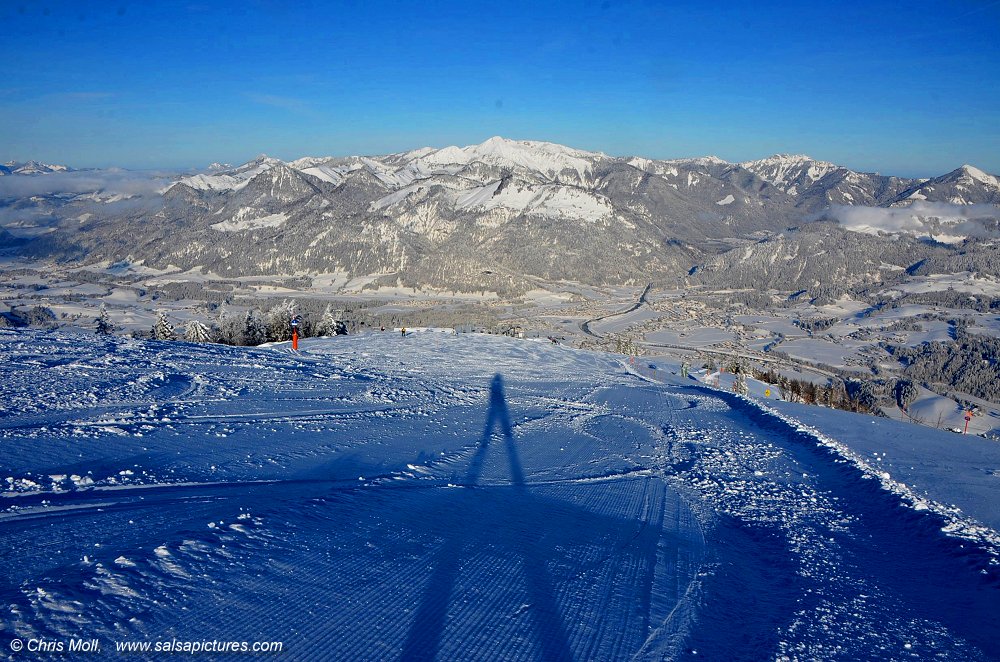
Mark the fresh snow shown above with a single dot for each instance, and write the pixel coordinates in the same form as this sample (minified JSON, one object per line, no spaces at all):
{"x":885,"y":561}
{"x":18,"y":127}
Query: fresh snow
{"x":461,"y":496}
{"x":325,"y":173}
{"x":234,"y":179}
{"x":548,"y":200}
{"x":981,"y":176}
{"x":542,"y":157}
{"x":966,"y":281}
{"x":728,"y":200}
{"x":784,"y":170}
{"x":203,"y":182}
{"x":269,"y":221}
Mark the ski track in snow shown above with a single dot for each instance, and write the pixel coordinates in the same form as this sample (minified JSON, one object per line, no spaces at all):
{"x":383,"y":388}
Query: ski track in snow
{"x":457,"y":497}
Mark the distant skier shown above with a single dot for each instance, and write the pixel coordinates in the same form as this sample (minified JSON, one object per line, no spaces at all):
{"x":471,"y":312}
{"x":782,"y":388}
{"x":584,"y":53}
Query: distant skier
{"x":402,"y":332}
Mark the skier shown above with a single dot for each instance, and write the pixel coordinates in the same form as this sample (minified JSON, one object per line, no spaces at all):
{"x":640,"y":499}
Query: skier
{"x":403,"y":332}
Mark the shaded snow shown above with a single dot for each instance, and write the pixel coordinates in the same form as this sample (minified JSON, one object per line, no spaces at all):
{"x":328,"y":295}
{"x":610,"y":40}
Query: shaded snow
{"x":450,"y":493}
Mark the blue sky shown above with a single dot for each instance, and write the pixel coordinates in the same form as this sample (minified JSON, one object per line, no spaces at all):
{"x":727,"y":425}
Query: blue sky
{"x":910,"y":89}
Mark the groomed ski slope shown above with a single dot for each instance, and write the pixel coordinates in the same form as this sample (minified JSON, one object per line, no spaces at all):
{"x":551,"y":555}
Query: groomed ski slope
{"x":468,"y":497}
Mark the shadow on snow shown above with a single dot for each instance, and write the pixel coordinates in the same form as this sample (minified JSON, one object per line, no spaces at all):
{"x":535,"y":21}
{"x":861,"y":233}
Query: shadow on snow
{"x":531,"y":528}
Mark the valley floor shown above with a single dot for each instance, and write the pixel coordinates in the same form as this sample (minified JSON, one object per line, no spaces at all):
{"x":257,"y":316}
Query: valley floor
{"x":473,"y":497}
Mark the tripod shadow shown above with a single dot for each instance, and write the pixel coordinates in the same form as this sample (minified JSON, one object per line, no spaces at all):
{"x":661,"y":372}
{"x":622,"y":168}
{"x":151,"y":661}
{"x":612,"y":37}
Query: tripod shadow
{"x":499,"y":415}
{"x":424,"y":638}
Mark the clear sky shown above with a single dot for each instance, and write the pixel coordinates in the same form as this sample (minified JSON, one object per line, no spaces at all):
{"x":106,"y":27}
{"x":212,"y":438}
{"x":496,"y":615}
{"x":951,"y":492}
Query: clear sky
{"x":901,"y":88}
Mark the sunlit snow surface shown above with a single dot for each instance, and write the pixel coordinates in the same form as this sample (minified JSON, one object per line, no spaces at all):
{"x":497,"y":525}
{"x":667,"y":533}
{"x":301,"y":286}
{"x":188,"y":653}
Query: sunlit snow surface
{"x":466,"y":497}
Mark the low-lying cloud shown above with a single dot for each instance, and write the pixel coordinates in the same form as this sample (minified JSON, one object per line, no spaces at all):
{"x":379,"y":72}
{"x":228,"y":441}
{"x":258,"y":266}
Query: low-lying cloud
{"x":114,"y":181}
{"x":77,"y":195}
{"x":938,"y":220}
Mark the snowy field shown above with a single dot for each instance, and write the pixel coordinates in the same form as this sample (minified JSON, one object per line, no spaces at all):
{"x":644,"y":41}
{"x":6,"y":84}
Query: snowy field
{"x":474,"y":497}
{"x":692,"y":337}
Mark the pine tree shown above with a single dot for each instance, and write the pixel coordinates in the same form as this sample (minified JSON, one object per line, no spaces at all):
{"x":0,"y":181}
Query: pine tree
{"x":195,"y":331}
{"x":254,"y":332}
{"x":809,"y":393}
{"x":331,"y":324}
{"x":278,"y":322}
{"x":163,"y":329}
{"x":105,"y":326}
{"x":230,"y":329}
{"x":906,"y":393}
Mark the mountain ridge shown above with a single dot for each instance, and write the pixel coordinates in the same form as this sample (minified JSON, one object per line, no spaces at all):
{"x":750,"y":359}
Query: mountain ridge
{"x":501,"y":214}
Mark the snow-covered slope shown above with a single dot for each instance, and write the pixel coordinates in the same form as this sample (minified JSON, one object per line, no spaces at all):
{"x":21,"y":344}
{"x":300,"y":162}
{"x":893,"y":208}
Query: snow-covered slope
{"x":231,"y":179}
{"x":470,"y":496}
{"x":791,"y":173}
{"x":966,"y":185}
{"x":542,"y":157}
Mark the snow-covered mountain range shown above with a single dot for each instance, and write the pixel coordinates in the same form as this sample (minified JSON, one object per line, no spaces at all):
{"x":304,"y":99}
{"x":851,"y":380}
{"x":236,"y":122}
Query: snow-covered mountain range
{"x":809,"y":182}
{"x":30,"y":168}
{"x":498,"y":214}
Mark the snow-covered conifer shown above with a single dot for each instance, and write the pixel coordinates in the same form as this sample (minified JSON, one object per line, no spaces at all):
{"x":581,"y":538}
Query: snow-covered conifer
{"x":195,"y":331}
{"x":105,"y":326}
{"x":331,"y":324}
{"x":230,"y":328}
{"x":254,"y":332}
{"x":163,"y":329}
{"x":279,"y":322}
{"x":906,"y":393}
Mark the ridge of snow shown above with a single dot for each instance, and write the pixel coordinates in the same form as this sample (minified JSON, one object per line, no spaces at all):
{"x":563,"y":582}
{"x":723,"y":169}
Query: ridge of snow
{"x":705,"y":159}
{"x":784,"y":170}
{"x":33,"y":167}
{"x":958,"y":525}
{"x":235,"y":179}
{"x":325,"y":173}
{"x":696,"y":160}
{"x":203,"y":182}
{"x":980,"y":176}
{"x":309,"y":162}
{"x":543,"y":157}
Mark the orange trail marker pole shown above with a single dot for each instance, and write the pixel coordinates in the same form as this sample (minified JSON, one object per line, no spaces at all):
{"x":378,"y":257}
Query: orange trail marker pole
{"x":295,"y":333}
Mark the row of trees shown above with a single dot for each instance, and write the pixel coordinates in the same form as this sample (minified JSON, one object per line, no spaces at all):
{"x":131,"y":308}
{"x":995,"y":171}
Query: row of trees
{"x":318,"y":318}
{"x":850,"y":395}
{"x":251,"y":328}
{"x":23,"y":316}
